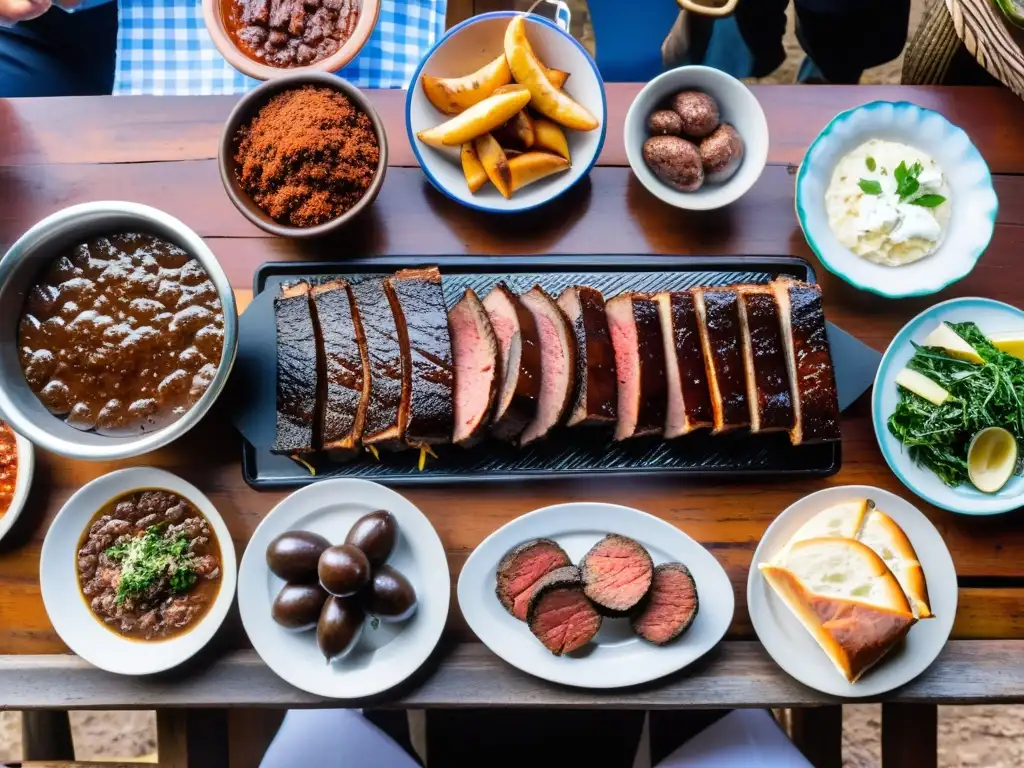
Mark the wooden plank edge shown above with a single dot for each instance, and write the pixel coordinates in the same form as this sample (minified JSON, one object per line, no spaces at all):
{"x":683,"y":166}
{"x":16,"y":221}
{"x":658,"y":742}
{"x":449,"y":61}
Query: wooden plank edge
{"x":736,"y":674}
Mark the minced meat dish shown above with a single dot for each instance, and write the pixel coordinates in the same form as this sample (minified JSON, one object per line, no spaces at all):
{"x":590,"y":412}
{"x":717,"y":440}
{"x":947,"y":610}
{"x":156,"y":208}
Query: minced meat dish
{"x":149,"y":565}
{"x":290,"y":33}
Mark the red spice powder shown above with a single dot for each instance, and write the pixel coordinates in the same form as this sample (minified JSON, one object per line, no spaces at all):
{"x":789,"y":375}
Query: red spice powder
{"x":308,"y":156}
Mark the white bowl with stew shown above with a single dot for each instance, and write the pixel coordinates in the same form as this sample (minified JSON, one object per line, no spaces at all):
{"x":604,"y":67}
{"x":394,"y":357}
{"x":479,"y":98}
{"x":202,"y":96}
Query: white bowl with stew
{"x":139,"y":636}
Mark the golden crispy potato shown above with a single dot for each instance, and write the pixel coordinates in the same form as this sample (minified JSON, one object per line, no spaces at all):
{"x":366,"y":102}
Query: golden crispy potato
{"x":547,"y":135}
{"x":453,"y":95}
{"x":531,"y":166}
{"x":479,"y":119}
{"x":556,"y":77}
{"x":495,"y":163}
{"x":472,"y":169}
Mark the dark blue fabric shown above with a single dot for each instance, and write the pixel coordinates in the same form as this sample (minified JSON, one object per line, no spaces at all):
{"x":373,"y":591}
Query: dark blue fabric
{"x":60,"y":54}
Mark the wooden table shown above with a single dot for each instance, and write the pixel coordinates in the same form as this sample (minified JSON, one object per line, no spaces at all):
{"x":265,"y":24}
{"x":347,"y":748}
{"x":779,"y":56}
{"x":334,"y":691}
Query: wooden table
{"x":56,"y":152}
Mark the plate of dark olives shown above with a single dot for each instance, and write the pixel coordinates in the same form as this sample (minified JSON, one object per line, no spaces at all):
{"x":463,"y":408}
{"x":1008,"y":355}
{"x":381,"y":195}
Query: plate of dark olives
{"x":344,"y":589}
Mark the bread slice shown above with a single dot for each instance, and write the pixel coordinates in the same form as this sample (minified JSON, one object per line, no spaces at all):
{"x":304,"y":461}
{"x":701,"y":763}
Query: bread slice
{"x":846,"y":597}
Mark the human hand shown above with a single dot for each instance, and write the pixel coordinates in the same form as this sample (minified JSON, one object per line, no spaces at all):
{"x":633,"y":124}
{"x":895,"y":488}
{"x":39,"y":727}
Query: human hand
{"x":12,"y":11}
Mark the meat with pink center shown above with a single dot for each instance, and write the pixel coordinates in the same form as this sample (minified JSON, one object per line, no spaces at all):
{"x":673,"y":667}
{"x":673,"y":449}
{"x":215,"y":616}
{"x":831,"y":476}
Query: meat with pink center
{"x":617,"y":574}
{"x":670,"y":607}
{"x":560,"y":615}
{"x":477,"y":371}
{"x":522,"y":568}
{"x":558,"y":363}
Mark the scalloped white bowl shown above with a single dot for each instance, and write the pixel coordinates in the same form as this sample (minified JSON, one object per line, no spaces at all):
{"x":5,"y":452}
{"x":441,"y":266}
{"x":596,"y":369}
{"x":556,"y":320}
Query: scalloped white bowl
{"x":972,"y":198}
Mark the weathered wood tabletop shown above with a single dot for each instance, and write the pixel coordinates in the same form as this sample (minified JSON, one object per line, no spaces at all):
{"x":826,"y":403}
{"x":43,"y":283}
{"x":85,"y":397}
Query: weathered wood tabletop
{"x":161,"y":151}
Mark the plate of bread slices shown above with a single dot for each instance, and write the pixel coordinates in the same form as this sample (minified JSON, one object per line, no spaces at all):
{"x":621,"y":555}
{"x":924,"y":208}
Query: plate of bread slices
{"x":852,"y":591}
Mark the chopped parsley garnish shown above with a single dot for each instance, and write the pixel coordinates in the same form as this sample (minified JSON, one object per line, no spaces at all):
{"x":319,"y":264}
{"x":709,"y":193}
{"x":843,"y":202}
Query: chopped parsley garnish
{"x":907,"y":185}
{"x":870,"y":163}
{"x":149,"y":557}
{"x":870,"y":187}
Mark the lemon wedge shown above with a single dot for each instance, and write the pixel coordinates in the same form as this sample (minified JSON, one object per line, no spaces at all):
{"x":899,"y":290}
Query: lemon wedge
{"x":949,"y":341}
{"x":922,"y":386}
{"x":991,"y":459}
{"x":1010,"y":342}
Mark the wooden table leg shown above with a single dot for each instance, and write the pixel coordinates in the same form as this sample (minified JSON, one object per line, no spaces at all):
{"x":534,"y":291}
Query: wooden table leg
{"x":910,"y":735}
{"x":250,"y":732}
{"x":818,"y":733}
{"x":46,"y":735}
{"x":193,"y":738}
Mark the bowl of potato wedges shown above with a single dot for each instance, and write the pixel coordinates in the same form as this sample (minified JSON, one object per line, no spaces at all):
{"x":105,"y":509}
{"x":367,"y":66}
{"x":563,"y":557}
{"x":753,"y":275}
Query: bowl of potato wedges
{"x":506,"y":112}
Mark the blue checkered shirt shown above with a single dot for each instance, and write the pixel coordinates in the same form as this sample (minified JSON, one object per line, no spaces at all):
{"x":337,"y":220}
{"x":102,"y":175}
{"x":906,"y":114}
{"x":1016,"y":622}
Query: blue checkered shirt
{"x":163,"y":49}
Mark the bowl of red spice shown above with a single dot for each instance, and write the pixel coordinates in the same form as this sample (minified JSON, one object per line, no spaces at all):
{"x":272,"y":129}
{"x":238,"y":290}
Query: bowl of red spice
{"x":302,"y":155}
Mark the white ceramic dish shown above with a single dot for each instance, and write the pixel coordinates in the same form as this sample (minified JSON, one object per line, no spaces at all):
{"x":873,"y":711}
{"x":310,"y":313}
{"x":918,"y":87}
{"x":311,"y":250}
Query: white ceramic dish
{"x":972,"y":199}
{"x":465,"y":48}
{"x":736,"y":104}
{"x":990,"y":317}
{"x":22,"y":484}
{"x":793,"y":648}
{"x":617,"y":657}
{"x":383,"y":657}
{"x":80,"y":630}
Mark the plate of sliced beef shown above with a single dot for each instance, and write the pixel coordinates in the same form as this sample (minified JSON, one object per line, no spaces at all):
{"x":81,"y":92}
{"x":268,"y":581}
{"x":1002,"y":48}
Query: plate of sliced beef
{"x":595,"y":595}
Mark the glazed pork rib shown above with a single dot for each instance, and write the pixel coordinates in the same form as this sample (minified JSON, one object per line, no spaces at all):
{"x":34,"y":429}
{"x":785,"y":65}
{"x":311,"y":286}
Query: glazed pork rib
{"x":346,"y":366}
{"x":768,"y":395}
{"x":639,"y":364}
{"x":812,"y":378}
{"x":557,"y":363}
{"x":477,"y":368}
{"x":519,"y":346}
{"x":297,"y":371}
{"x":718,"y":315}
{"x":384,"y":424}
{"x":689,"y":402}
{"x":594,"y":396}
{"x":423,"y":325}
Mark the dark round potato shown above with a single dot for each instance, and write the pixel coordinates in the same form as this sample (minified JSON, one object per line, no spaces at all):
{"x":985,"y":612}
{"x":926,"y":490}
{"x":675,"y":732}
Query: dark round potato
{"x":721,"y":153}
{"x":298,"y":606}
{"x":675,"y":161}
{"x":665,"y":122}
{"x":343,"y":570}
{"x":698,"y":111}
{"x":294,"y":555}
{"x":339,"y":628}
{"x":389,"y":596}
{"x":375,"y":534}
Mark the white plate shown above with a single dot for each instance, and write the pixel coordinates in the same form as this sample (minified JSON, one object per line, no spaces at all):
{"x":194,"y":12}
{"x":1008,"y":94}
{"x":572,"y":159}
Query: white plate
{"x":22,"y":483}
{"x":617,"y":657}
{"x":80,"y":630}
{"x":382,"y":658}
{"x":990,"y":317}
{"x":793,"y":648}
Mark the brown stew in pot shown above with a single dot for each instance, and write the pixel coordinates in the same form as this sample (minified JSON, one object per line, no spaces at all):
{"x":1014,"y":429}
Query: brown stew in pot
{"x":149,"y":565}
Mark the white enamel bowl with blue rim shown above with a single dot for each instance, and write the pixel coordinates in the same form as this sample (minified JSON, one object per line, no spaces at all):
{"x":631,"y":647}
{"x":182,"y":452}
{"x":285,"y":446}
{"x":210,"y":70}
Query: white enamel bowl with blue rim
{"x":465,"y":48}
{"x":736,"y":105}
{"x":990,"y":317}
{"x":972,"y":199}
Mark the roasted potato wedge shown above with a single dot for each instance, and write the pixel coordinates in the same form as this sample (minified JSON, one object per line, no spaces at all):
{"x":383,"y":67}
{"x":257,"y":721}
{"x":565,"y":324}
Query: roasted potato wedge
{"x":472,"y":168}
{"x":555,"y":76}
{"x":531,"y":166}
{"x":479,"y":119}
{"x":544,"y":97}
{"x":517,"y":133}
{"x":453,"y":95}
{"x":495,"y":163}
{"x":547,"y":135}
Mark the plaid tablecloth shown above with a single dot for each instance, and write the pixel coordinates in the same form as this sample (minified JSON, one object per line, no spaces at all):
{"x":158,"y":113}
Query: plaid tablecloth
{"x":163,"y":49}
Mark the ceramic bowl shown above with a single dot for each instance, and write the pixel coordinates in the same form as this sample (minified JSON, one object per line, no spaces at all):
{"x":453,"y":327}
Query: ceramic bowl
{"x":972,"y":199}
{"x":243,"y":113}
{"x":22,"y":482}
{"x":213,"y":17}
{"x":736,"y":104}
{"x":465,"y":48}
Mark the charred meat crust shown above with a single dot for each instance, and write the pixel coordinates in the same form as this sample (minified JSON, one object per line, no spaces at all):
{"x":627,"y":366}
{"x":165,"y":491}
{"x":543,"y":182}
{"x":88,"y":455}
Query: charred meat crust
{"x":477,"y":368}
{"x":298,"y":371}
{"x":617,"y":573}
{"x":670,"y":607}
{"x":640,"y":365}
{"x":510,"y":578}
{"x":689,"y":402}
{"x":558,"y":363}
{"x":519,"y":341}
{"x":388,"y":378}
{"x":594,"y":396}
{"x":768,"y":395}
{"x":720,"y":337}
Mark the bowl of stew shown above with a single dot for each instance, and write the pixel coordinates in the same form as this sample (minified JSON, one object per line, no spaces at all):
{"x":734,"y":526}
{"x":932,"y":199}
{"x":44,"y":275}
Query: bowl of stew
{"x":118,"y":330}
{"x":17,"y":464}
{"x":138,"y":571}
{"x":265,"y":39}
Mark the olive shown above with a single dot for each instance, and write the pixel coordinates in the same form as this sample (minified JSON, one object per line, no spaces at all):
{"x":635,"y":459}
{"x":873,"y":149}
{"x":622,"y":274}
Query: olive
{"x":298,"y":606}
{"x":343,"y":570}
{"x":294,"y":555}
{"x":339,"y":628}
{"x":375,"y":534}
{"x":389,"y":596}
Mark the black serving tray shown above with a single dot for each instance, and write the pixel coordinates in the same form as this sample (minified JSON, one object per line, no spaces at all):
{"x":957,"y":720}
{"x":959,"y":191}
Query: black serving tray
{"x":568,"y":452}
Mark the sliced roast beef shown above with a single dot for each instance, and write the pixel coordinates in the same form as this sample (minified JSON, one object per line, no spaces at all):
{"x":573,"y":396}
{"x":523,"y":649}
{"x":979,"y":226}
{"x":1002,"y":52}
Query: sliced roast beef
{"x":522,"y":568}
{"x":477,"y":368}
{"x":617,"y":573}
{"x":718,"y":313}
{"x":519,"y":343}
{"x":298,"y":371}
{"x":670,"y":606}
{"x":559,"y":614}
{"x":384,"y":425}
{"x":594,"y":396}
{"x":346,"y":366}
{"x":424,"y":325}
{"x":812,"y":378}
{"x":557,"y":363}
{"x":639,"y":365}
{"x":689,"y":401}
{"x":768,"y":395}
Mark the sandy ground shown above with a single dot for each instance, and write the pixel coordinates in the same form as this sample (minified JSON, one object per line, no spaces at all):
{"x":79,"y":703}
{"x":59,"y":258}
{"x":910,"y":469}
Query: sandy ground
{"x":969,"y":737}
